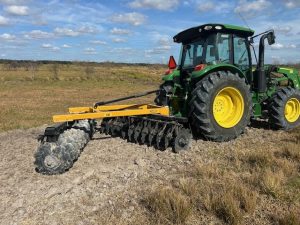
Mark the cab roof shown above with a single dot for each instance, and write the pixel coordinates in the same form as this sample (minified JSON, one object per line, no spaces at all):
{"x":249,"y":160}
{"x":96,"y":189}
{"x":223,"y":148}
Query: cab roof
{"x":195,"y":32}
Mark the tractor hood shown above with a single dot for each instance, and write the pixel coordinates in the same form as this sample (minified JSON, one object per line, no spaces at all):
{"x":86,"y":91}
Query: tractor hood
{"x":195,"y":32}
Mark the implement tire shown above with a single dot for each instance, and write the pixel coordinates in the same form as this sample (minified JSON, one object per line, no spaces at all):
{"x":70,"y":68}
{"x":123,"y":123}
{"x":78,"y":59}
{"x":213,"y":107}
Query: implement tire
{"x":284,"y":111}
{"x":220,"y":106}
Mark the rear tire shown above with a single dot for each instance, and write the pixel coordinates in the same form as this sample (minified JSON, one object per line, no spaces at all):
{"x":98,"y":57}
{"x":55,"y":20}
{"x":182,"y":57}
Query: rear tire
{"x":284,"y":109}
{"x":220,"y":107}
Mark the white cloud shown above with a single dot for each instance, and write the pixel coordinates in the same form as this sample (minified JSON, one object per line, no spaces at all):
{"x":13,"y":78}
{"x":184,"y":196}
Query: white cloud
{"x":88,"y":29}
{"x":206,"y":6}
{"x":166,"y":5}
{"x":282,"y":29}
{"x":98,"y":42}
{"x":7,"y":37}
{"x":38,"y":34}
{"x":201,"y":6}
{"x":133,"y":18}
{"x":4,"y":21}
{"x":47,"y":46}
{"x":90,"y":51}
{"x":118,"y":40}
{"x":14,"y":2}
{"x":50,"y":47}
{"x":246,"y":6}
{"x":75,"y":32}
{"x":18,"y":10}
{"x":279,"y":46}
{"x":124,"y":50}
{"x":55,"y":48}
{"x":66,"y":46}
{"x":118,"y":31}
{"x":158,"y":50}
{"x":66,"y":32}
{"x":291,"y":3}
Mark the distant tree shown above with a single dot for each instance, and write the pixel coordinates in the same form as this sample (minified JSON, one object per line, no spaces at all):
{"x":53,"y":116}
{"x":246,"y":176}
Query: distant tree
{"x":55,"y":71}
{"x":13,"y":65}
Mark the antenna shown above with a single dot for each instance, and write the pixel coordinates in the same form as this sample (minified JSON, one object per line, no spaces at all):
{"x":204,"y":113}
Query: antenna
{"x":244,"y":20}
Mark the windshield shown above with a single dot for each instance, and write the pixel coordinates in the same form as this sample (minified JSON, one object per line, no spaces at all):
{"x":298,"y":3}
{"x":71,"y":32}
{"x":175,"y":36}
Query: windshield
{"x":212,"y":49}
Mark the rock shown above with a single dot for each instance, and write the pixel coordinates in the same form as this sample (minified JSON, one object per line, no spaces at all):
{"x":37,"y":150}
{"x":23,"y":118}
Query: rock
{"x":52,"y":192}
{"x":140,"y":162}
{"x":88,"y":174}
{"x":77,"y":180}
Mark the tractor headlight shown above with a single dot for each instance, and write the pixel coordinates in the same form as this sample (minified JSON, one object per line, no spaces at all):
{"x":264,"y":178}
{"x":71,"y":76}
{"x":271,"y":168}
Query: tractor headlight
{"x":218,"y":27}
{"x":207,"y":27}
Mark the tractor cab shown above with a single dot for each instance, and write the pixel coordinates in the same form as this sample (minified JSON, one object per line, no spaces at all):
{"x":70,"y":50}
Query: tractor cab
{"x":213,"y":44}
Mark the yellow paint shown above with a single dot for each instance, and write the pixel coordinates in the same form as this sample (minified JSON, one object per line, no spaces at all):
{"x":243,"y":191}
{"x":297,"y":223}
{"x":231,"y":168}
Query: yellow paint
{"x":292,"y":110}
{"x":228,"y":107}
{"x":81,"y":113}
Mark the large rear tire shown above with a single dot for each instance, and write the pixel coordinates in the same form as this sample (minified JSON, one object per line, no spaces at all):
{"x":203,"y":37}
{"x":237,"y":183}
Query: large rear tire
{"x":284,"y":111}
{"x":220,"y":107}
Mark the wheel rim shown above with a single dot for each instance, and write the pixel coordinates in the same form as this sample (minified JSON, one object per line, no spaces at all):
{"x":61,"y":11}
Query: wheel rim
{"x":292,"y":110}
{"x":228,"y":107}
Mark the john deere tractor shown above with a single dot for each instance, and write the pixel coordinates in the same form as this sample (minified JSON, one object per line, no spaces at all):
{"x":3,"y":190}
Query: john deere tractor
{"x":217,"y":86}
{"x":214,"y":91}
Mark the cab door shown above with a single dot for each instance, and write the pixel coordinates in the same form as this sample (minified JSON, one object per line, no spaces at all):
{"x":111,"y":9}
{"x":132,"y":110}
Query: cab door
{"x":241,"y":56}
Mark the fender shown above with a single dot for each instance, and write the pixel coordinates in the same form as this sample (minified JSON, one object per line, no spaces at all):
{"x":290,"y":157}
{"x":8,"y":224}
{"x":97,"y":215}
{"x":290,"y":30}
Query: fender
{"x":170,"y":77}
{"x":292,"y":75}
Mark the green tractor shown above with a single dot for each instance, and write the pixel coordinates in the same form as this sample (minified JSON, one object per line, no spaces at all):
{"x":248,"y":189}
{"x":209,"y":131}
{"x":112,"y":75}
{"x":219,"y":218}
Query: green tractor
{"x":217,"y":87}
{"x":214,"y":92}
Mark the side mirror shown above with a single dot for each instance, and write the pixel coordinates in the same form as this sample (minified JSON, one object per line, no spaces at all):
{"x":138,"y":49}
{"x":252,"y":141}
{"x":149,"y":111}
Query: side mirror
{"x":172,"y":63}
{"x":271,"y":38}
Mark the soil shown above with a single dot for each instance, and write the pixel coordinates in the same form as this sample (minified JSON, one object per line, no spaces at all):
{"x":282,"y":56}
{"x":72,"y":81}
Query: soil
{"x":106,"y":183}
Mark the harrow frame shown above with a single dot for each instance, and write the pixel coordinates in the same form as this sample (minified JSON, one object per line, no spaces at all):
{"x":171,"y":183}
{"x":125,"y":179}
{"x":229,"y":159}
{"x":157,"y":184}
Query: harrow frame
{"x":107,"y":111}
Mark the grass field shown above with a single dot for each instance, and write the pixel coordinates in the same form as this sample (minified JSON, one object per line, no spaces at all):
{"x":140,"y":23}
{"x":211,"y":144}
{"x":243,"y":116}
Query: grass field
{"x":237,"y":184}
{"x":30,"y":96}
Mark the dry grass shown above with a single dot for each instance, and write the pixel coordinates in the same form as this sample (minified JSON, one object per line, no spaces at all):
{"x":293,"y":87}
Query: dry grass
{"x":226,"y":207}
{"x":291,"y":218}
{"x":168,"y":206}
{"x":234,"y":190}
{"x":271,"y":183}
{"x":206,"y":190}
{"x":29,"y":101}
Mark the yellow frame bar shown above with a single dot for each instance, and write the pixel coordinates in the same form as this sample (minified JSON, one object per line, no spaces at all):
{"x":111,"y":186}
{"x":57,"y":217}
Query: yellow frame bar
{"x":81,"y":113}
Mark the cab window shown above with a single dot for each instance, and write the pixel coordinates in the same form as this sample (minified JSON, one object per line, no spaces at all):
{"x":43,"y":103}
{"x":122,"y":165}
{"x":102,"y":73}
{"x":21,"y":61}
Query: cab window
{"x":241,"y":57}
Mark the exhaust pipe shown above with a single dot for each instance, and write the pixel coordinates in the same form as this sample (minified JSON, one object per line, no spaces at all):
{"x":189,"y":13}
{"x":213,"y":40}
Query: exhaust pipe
{"x":260,"y":79}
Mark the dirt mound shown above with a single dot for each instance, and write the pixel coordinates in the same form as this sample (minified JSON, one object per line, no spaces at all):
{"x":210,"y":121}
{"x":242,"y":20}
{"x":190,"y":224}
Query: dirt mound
{"x":106,"y":183}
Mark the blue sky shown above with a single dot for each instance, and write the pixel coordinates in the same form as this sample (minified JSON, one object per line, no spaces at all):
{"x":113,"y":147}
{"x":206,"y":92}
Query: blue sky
{"x":134,"y":30}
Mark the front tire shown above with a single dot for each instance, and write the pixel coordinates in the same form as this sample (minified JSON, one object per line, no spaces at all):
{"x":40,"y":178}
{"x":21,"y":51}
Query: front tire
{"x":284,"y":111}
{"x":220,"y":106}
